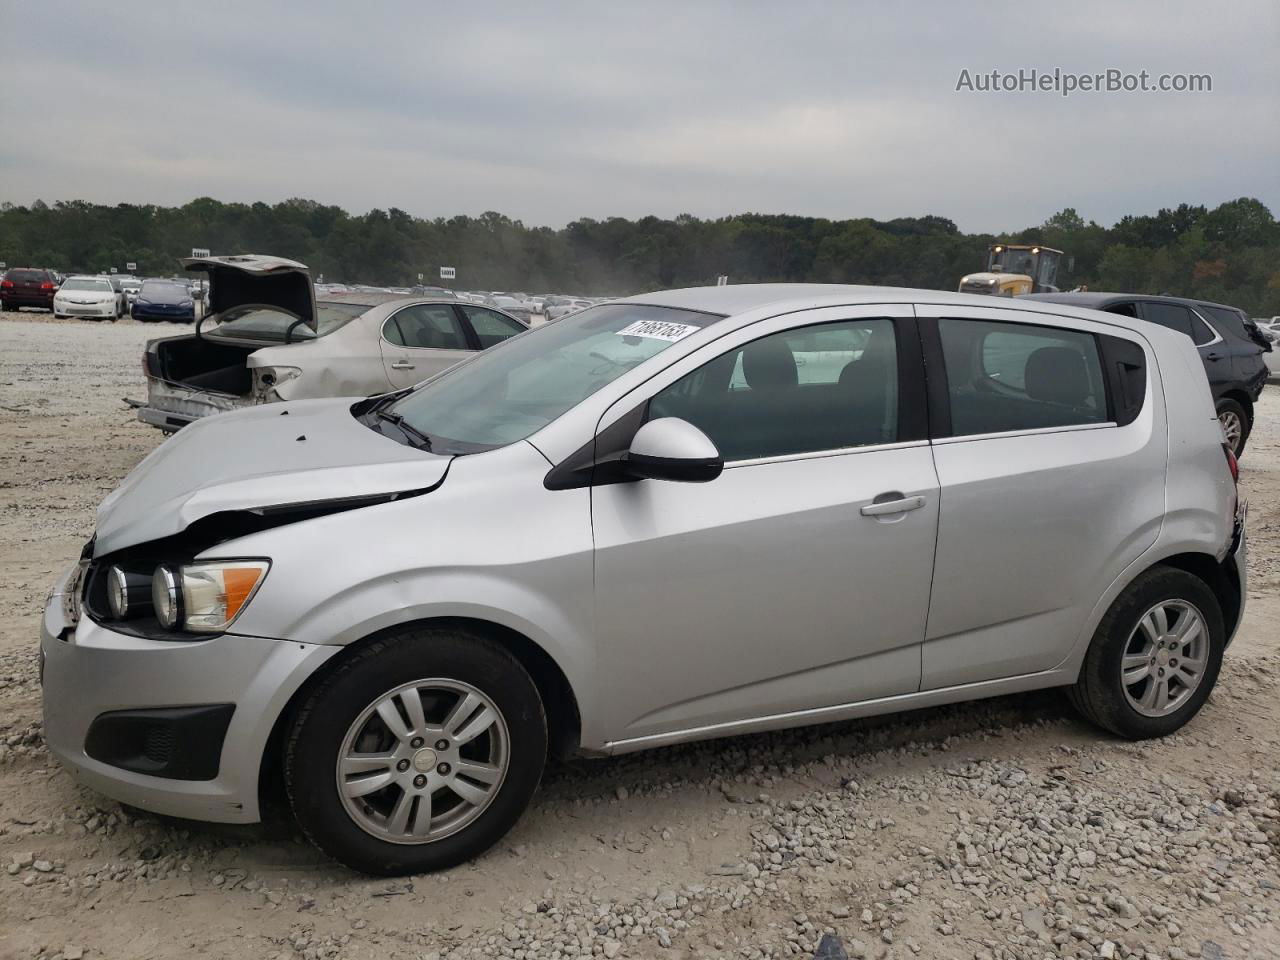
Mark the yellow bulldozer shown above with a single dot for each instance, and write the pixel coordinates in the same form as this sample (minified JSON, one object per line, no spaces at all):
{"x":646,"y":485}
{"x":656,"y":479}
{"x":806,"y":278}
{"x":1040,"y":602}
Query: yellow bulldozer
{"x":1015,"y":268}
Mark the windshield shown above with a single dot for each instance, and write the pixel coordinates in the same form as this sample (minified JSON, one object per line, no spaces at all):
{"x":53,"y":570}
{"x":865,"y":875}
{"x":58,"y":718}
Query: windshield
{"x":515,"y":389}
{"x":97,"y":286}
{"x":1013,"y":261}
{"x":266,"y":323}
{"x":165,"y":292}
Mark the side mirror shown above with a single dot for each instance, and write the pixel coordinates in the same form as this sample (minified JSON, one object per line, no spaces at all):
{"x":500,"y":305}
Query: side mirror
{"x":673,"y":449}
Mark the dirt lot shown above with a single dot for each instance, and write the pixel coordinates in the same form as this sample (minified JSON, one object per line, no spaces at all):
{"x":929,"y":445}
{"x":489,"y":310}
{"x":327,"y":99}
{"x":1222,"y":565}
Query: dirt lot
{"x":1001,"y":829}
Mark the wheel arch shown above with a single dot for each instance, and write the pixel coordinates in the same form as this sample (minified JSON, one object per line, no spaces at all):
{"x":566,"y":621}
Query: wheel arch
{"x":1241,"y":397}
{"x":559,"y":700}
{"x":1218,"y":577}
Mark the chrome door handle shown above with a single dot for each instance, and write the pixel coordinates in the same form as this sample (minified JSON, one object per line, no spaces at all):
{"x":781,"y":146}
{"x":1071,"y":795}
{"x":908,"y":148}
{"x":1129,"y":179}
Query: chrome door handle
{"x":880,"y":508}
{"x":402,"y":365}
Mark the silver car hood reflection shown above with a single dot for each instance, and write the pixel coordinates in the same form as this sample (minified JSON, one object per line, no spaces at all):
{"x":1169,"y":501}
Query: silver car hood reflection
{"x":279,"y":454}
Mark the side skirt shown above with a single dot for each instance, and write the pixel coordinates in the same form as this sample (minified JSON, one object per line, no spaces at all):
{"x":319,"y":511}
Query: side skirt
{"x":846,"y":711}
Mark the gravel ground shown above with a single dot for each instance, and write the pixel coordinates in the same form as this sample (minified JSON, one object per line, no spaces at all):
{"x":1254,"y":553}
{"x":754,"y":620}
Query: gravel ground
{"x":1001,"y":829}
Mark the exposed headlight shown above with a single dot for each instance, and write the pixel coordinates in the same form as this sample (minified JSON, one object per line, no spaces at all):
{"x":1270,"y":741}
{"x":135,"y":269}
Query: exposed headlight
{"x":128,"y":593}
{"x":205,"y":597}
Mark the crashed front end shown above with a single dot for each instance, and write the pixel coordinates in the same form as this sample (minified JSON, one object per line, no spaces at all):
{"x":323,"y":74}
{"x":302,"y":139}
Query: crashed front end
{"x":152,"y":693}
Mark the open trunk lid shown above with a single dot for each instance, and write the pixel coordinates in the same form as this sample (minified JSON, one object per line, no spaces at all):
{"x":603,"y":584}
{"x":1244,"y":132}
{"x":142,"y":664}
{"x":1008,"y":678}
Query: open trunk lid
{"x":245,"y":279}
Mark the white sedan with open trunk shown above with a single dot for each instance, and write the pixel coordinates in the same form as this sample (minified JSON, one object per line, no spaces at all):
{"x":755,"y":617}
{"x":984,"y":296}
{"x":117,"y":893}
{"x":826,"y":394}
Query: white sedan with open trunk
{"x":266,"y":337}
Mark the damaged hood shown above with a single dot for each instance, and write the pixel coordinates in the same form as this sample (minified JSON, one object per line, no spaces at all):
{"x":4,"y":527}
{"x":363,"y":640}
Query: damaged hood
{"x":274,"y":455}
{"x":250,"y":278}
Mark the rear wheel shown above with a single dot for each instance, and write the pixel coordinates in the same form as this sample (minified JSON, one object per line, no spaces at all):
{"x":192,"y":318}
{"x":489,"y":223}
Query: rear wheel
{"x":1154,"y":658}
{"x":417,"y":753}
{"x":1235,"y":424}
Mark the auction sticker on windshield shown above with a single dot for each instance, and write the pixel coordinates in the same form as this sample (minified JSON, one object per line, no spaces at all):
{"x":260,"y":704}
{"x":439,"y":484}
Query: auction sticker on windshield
{"x":658,"y":330}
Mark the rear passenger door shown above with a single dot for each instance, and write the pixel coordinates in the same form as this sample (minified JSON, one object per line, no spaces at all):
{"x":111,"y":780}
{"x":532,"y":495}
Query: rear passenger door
{"x":420,"y":341}
{"x":1051,"y":461}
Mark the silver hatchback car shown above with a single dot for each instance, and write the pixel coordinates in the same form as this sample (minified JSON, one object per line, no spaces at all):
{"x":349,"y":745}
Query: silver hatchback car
{"x":691,"y":514}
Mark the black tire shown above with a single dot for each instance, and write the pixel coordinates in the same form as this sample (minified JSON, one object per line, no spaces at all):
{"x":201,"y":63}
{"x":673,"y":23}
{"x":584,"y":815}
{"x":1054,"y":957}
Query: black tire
{"x":1229,"y":407}
{"x":1099,"y":695}
{"x":368,"y":673}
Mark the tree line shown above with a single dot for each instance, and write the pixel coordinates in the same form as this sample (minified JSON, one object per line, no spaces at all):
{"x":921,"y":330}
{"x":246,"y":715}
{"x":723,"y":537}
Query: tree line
{"x":1230,"y":253}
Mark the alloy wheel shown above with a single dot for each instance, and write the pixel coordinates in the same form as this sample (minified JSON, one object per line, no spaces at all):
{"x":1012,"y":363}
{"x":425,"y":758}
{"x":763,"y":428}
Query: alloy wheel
{"x":1232,"y":428}
{"x":1165,"y":658}
{"x":423,"y":761}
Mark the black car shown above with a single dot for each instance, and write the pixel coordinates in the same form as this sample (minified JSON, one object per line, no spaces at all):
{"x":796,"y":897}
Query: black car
{"x":1230,"y":346}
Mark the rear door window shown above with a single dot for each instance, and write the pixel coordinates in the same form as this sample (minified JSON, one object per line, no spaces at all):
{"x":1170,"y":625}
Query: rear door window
{"x":490,"y":326}
{"x":1004,"y":377}
{"x":1171,"y":315}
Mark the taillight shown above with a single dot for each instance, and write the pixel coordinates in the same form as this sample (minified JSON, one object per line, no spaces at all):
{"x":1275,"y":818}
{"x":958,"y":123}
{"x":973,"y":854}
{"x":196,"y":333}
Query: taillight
{"x":47,"y":286}
{"x":6,"y":284}
{"x":1232,"y":464}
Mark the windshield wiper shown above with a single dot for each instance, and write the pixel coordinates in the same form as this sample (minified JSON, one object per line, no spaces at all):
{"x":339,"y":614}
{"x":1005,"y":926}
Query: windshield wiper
{"x":408,"y":429}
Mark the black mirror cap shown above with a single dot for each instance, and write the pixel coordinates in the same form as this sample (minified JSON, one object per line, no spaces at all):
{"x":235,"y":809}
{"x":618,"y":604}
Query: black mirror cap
{"x":642,"y":467}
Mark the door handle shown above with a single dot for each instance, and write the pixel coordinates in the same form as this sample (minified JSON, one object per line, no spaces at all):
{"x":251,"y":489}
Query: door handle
{"x":402,"y":365}
{"x":899,"y":504}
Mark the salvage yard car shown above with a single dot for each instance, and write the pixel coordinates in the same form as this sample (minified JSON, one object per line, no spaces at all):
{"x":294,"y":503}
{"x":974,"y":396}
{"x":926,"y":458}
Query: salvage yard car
{"x":164,"y":300}
{"x":267,"y":338}
{"x":91,"y":298}
{"x":685,"y":515}
{"x":28,"y":287}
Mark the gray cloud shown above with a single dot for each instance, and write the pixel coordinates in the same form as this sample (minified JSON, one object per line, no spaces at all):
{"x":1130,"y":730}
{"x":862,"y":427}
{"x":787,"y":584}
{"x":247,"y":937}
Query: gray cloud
{"x":553,"y":111}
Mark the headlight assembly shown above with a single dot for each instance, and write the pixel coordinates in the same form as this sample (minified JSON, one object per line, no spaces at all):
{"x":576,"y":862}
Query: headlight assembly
{"x":205,"y":597}
{"x":128,"y":593}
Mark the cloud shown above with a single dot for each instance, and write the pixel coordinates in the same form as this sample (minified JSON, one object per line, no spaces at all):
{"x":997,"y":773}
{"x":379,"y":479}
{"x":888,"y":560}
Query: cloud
{"x":552,"y":111}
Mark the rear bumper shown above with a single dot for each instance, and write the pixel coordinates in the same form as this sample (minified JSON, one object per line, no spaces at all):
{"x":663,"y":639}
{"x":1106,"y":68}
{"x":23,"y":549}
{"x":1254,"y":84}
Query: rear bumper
{"x":171,"y":406}
{"x":1238,"y":560}
{"x":93,"y":676}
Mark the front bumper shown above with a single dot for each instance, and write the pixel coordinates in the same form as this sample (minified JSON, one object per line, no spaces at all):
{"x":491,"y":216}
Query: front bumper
{"x":89,"y":670}
{"x":89,"y":310}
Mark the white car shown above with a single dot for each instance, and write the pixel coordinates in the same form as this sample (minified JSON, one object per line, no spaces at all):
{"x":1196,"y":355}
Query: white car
{"x":564,"y":309}
{"x":267,"y":338}
{"x":93,"y":298}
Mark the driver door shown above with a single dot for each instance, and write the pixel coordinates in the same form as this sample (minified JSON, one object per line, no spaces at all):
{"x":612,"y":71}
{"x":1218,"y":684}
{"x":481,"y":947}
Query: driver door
{"x":798,"y":580}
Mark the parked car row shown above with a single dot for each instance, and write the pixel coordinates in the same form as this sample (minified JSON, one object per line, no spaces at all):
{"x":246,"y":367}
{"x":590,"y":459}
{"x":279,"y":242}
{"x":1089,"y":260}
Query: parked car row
{"x":100,"y":296}
{"x":692,"y":514}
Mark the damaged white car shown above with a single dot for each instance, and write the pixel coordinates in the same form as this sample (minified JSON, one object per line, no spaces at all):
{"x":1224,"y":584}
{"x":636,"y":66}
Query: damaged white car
{"x":266,"y":337}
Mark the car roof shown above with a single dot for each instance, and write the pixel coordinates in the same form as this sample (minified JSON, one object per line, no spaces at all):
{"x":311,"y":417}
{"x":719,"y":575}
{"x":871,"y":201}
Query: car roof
{"x":739,"y":299}
{"x":734,"y":299}
{"x":373,"y":298}
{"x":1098,"y":300}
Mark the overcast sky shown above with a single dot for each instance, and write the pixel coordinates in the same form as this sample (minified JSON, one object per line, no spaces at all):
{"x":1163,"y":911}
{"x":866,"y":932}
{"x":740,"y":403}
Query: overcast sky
{"x":549,"y":112}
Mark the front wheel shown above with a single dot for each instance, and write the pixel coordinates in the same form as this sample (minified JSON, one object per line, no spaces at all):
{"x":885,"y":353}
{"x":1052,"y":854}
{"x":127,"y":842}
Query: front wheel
{"x":417,"y":753}
{"x":1235,"y":425}
{"x":1154,"y":658}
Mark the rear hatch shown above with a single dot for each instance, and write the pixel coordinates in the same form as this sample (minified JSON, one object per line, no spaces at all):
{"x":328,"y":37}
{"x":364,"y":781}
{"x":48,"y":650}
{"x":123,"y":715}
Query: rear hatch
{"x":193,"y":376}
{"x":29,"y":286}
